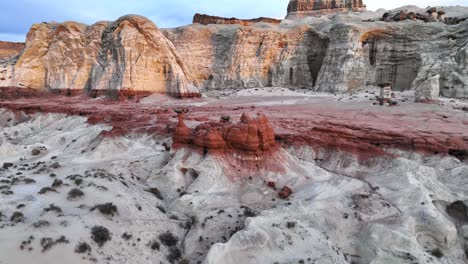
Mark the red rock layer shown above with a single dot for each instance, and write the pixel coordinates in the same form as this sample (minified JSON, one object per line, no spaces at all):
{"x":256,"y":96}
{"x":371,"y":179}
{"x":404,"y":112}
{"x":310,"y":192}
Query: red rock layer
{"x":252,"y":136}
{"x":327,"y":126}
{"x":207,"y":20}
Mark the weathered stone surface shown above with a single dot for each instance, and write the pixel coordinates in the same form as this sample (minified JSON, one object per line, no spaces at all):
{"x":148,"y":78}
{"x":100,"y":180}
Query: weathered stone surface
{"x":9,"y":50}
{"x":234,"y":57}
{"x":303,"y":8}
{"x":207,"y":20}
{"x":135,"y":55}
{"x":129,"y":54}
{"x":335,"y":54}
{"x":252,"y":136}
{"x":429,"y":90}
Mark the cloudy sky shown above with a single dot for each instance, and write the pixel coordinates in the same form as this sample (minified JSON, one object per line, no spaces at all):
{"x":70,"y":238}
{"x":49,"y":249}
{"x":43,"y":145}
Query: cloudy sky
{"x":17,"y":16}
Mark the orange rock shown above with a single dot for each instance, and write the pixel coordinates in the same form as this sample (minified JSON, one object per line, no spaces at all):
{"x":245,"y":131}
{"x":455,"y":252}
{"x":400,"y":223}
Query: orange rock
{"x":250,"y":135}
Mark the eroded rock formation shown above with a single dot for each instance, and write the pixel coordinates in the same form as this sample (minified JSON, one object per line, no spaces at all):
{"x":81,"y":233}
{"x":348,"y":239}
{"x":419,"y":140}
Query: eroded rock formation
{"x":249,"y":139}
{"x":207,"y":20}
{"x":303,"y":8}
{"x":129,"y":54}
{"x":9,"y":50}
{"x":336,"y":54}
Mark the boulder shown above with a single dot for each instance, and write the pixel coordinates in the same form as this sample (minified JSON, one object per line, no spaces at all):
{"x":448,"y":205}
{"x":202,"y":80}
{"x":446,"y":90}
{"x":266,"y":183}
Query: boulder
{"x":428,"y":90}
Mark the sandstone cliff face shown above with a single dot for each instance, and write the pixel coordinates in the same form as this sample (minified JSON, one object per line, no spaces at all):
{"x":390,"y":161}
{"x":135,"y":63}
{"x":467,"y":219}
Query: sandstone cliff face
{"x":129,"y":54}
{"x":207,"y":20}
{"x":335,"y":55}
{"x":135,"y":55}
{"x":223,"y":57}
{"x":9,"y":50}
{"x":303,"y":8}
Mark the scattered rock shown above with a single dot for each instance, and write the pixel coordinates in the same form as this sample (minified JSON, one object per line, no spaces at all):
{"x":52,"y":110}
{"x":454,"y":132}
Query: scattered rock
{"x":35,"y":152}
{"x":285,"y":192}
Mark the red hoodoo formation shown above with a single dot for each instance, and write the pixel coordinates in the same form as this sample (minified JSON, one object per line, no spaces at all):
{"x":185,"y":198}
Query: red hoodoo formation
{"x":206,"y":20}
{"x":252,"y":136}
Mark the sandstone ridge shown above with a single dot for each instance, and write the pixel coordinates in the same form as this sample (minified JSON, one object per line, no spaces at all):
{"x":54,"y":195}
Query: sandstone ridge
{"x":207,"y":20}
{"x":129,"y":54}
{"x":303,"y":8}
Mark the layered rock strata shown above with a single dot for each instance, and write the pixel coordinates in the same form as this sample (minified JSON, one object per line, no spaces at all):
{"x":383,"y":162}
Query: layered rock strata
{"x":9,"y":50}
{"x":129,"y":54}
{"x":336,"y":54}
{"x":250,"y":138}
{"x":207,"y":20}
{"x":304,"y":8}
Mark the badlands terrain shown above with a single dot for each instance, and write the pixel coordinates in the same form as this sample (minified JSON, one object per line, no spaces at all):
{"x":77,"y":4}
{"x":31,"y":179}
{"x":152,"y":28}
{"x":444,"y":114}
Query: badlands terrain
{"x":238,"y":140}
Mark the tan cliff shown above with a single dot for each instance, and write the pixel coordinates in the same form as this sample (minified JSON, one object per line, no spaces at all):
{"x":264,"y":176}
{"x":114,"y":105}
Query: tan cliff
{"x":207,"y":20}
{"x":336,"y":54}
{"x":304,"y":8}
{"x":9,"y":50}
{"x":128,"y":54}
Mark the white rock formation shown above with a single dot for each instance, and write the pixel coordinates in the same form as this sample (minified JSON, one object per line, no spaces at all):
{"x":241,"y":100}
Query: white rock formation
{"x":428,"y":90}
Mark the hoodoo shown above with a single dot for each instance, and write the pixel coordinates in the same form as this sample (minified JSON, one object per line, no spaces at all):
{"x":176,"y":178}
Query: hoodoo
{"x":303,"y":8}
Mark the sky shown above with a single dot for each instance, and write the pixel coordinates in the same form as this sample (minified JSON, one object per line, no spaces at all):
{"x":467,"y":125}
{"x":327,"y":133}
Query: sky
{"x":16,"y":17}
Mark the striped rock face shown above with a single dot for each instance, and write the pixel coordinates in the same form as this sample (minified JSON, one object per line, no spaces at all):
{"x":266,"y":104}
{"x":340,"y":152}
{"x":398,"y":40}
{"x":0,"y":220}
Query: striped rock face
{"x":303,"y":8}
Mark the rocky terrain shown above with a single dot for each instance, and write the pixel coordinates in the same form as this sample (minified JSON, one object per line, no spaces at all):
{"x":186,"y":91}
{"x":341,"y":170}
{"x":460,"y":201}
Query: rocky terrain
{"x":332,"y":52}
{"x":83,"y":182}
{"x":238,"y":140}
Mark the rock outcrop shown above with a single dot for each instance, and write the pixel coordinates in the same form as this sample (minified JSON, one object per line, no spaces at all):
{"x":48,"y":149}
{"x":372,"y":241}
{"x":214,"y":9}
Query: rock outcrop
{"x":9,"y":50}
{"x":207,"y":20}
{"x":304,"y":8}
{"x":336,"y":54}
{"x":428,"y":90}
{"x":235,"y":57}
{"x":249,"y":139}
{"x":129,"y":54}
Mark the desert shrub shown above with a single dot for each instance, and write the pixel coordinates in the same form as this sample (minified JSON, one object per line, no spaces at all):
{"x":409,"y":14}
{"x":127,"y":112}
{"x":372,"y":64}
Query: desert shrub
{"x":100,"y":235}
{"x":47,"y":243}
{"x":57,"y":183}
{"x":41,"y":223}
{"x":82,"y":247}
{"x":46,"y":190}
{"x":17,"y":217}
{"x":168,"y":239}
{"x":35,"y":152}
{"x":437,"y":253}
{"x":126,"y":236}
{"x":75,"y":193}
{"x":53,"y":208}
{"x":154,"y":245}
{"x":106,"y":209}
{"x":174,"y":254}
